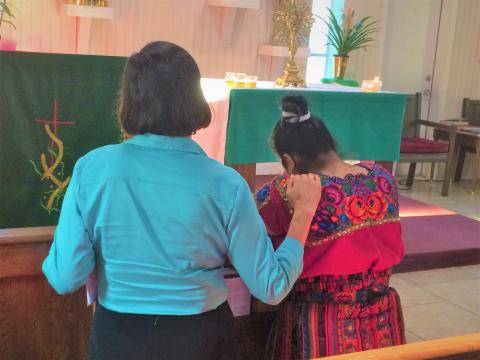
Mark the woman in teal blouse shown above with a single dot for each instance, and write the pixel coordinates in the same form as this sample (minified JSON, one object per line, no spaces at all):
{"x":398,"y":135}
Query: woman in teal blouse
{"x":156,"y":217}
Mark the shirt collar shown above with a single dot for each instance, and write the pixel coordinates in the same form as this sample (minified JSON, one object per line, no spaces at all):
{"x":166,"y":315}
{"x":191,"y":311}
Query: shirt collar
{"x":184,"y":144}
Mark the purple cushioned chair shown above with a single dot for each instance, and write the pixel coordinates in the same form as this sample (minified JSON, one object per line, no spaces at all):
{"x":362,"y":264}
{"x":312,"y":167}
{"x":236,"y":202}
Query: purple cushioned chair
{"x":415,"y":149}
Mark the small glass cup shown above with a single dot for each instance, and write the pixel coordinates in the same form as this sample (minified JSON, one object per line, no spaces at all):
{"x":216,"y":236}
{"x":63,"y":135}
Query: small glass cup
{"x":251,"y":82}
{"x":230,"y":79}
{"x":240,"y":80}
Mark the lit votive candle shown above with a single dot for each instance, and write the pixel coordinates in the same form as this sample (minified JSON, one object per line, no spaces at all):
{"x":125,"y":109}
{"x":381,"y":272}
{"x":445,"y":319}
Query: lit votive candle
{"x":372,"y":85}
{"x":367,"y":85}
{"x":377,"y":84}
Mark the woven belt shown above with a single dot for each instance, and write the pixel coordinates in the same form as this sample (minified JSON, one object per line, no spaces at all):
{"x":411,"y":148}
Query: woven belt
{"x":347,"y":296}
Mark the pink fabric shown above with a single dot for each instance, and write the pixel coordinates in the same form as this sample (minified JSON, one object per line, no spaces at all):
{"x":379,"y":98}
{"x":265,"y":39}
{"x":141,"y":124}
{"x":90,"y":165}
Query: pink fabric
{"x":8,"y":45}
{"x":92,"y":287}
{"x":212,"y":139}
{"x":422,"y":146}
{"x":377,"y":248}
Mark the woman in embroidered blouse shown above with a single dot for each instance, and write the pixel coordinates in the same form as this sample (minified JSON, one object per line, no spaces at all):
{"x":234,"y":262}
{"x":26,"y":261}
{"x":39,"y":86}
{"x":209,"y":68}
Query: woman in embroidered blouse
{"x":342,"y":301}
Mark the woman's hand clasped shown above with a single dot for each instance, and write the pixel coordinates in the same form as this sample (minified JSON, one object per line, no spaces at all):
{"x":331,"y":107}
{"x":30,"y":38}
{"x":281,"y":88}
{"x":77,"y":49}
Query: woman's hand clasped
{"x":304,"y":192}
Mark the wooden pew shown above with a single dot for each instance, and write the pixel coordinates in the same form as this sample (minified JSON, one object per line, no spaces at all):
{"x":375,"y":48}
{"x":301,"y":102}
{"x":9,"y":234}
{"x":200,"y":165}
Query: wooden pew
{"x":452,"y":348}
{"x":36,"y":323}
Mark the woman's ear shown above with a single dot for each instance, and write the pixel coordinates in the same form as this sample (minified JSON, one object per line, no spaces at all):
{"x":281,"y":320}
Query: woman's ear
{"x":288,"y":163}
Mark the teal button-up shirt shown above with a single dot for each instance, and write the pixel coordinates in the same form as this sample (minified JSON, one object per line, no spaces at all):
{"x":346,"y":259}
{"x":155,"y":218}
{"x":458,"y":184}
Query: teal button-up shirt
{"x":157,"y":218}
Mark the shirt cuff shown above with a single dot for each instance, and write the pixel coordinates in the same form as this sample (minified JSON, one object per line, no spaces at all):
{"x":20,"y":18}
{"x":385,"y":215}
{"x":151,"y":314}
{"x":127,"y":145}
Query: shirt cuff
{"x":293,"y":244}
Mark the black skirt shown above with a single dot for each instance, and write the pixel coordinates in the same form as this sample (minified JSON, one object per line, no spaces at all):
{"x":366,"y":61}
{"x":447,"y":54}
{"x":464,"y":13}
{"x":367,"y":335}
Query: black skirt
{"x":131,"y":336}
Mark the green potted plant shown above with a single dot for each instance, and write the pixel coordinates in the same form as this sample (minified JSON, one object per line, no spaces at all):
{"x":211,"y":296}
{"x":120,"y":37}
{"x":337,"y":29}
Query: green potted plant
{"x":348,"y":37}
{"x":6,"y":17}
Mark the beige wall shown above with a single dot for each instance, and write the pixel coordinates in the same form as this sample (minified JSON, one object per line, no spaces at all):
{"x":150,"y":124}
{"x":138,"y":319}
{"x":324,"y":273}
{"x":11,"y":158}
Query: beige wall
{"x":42,"y":27}
{"x":367,"y":64}
{"x":403,"y":47}
{"x":397,"y":55}
{"x":404,"y":52}
{"x":464,"y":80}
{"x":464,"y":76}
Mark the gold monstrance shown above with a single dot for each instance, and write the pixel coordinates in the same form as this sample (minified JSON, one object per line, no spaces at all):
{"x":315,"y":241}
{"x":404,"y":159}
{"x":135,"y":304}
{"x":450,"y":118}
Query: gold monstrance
{"x":293,"y":21}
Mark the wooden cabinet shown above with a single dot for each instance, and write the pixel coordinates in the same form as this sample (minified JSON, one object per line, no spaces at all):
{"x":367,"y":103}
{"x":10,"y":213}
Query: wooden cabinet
{"x":35,"y":322}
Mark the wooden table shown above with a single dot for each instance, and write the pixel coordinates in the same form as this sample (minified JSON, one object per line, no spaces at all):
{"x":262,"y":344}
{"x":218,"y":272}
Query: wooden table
{"x":467,"y":141}
{"x":464,"y":141}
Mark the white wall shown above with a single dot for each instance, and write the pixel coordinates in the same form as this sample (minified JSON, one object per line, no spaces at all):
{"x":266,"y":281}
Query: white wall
{"x":365,"y":65}
{"x":407,"y":42}
{"x":409,"y":45}
{"x":42,"y":27}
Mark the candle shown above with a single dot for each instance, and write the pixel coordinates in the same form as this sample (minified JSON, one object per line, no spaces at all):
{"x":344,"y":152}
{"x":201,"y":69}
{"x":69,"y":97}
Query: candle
{"x":377,"y":84}
{"x":372,"y":85}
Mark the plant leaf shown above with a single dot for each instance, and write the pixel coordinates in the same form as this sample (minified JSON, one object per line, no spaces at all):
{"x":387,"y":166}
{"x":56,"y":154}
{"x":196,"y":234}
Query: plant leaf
{"x":9,"y":22}
{"x":7,"y":9}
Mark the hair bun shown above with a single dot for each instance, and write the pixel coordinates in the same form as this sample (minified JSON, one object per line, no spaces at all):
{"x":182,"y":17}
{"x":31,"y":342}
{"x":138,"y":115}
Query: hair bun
{"x":295,"y":104}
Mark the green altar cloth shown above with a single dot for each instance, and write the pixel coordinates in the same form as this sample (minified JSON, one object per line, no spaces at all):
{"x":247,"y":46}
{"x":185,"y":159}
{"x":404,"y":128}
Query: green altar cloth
{"x":345,"y":82}
{"x":75,"y":96}
{"x":367,"y":126}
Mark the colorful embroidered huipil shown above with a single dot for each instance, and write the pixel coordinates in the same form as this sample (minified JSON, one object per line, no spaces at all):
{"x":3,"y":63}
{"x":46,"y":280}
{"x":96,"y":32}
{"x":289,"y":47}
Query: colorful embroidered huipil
{"x":342,"y":302}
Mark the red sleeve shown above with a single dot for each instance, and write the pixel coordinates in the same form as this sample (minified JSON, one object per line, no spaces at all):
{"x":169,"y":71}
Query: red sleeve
{"x":274,"y":209}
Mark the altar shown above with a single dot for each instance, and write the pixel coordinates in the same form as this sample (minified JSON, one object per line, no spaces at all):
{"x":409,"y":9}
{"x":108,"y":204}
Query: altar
{"x":76,"y":96}
{"x":366,"y":126}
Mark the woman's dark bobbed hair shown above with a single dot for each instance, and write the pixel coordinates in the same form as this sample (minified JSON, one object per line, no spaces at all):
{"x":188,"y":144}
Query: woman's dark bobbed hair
{"x":161,"y":93}
{"x":301,"y":135}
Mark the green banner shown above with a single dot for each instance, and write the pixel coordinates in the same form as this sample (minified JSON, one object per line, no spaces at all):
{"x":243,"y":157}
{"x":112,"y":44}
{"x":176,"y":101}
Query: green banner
{"x":53,"y":110}
{"x":366,"y":126}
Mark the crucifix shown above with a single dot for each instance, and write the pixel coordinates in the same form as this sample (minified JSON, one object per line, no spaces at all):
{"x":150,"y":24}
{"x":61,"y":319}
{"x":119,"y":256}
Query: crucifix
{"x":54,"y":122}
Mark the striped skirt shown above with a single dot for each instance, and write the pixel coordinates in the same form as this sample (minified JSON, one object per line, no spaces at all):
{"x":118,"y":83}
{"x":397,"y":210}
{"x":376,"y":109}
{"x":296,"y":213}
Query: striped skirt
{"x":330,"y":315}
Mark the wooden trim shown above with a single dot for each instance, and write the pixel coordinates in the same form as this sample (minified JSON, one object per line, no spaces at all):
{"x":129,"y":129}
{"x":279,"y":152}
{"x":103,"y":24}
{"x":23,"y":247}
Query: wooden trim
{"x":418,"y":109}
{"x":407,"y":158}
{"x":464,"y":107}
{"x":23,"y":259}
{"x":25,"y":249}
{"x":26,"y":235}
{"x":437,"y":125}
{"x":465,"y":344}
{"x":248,"y":172}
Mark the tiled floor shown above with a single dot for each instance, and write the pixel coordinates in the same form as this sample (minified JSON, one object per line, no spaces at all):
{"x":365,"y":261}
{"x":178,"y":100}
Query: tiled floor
{"x":440,"y":303}
{"x":443,"y":302}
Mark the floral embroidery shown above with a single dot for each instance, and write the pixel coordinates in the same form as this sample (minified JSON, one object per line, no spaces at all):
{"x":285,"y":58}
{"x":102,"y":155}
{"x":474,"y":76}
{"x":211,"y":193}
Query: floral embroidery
{"x":354,"y":202}
{"x":263,"y":196}
{"x":332,"y":195}
{"x":384,"y":185}
{"x":376,"y":206}
{"x":351,"y":229}
{"x":356,"y":209}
